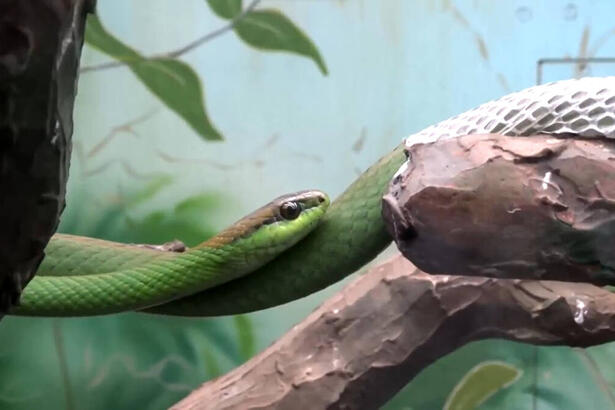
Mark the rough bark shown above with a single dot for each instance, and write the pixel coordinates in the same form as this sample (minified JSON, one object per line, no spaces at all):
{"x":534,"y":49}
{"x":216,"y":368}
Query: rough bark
{"x":40,"y":46}
{"x":368,"y":341}
{"x":533,"y":207}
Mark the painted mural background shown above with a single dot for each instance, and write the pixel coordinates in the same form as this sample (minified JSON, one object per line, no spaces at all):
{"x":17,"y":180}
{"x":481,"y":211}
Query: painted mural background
{"x":352,"y":79}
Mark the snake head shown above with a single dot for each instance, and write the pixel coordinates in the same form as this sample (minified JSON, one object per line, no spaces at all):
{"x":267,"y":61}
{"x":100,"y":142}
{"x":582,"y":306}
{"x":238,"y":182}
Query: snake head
{"x":277,"y":225}
{"x":291,"y":206}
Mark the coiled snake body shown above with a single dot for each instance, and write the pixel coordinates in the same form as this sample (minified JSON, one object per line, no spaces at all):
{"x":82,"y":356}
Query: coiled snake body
{"x":349,"y":235}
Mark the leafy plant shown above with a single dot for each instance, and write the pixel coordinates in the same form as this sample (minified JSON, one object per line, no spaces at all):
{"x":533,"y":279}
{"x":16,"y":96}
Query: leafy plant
{"x":268,"y":30}
{"x":177,"y":84}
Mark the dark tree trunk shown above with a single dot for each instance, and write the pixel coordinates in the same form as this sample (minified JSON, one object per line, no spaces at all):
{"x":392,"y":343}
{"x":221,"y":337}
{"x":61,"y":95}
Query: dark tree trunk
{"x":40,"y":47}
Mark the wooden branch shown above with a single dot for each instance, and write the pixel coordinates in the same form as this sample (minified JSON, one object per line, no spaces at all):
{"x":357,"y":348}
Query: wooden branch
{"x":534,"y":207}
{"x":368,"y":341}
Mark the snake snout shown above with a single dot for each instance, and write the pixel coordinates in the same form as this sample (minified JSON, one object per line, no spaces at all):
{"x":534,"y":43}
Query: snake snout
{"x":318,"y":198}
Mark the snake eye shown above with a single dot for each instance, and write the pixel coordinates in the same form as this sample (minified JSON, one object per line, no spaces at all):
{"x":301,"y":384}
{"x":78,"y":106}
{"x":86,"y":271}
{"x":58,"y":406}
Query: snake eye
{"x":290,"y":210}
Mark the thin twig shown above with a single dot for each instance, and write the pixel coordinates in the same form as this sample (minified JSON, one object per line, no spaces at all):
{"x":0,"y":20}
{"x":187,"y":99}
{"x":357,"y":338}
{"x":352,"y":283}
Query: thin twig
{"x":180,"y":51}
{"x":125,"y":127}
{"x":214,"y":33}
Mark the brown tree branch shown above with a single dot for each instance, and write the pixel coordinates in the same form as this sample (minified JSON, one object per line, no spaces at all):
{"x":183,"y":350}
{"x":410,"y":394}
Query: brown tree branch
{"x":534,"y":207}
{"x":368,"y":341}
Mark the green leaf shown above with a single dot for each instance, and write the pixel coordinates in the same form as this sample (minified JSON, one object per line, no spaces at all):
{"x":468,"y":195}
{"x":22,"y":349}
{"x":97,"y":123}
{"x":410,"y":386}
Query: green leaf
{"x":271,"y":30}
{"x":98,"y":37}
{"x":245,"y":336}
{"x":553,"y":377}
{"x":179,"y":87}
{"x":227,"y":9}
{"x":175,"y":83}
{"x":211,"y":363}
{"x":480,"y":383}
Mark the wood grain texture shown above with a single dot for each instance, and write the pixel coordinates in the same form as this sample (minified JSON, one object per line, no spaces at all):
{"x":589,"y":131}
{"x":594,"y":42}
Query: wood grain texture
{"x":359,"y":348}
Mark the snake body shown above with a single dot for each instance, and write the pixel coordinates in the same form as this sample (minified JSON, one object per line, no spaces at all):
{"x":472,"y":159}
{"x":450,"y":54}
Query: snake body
{"x":81,"y":277}
{"x":352,"y":232}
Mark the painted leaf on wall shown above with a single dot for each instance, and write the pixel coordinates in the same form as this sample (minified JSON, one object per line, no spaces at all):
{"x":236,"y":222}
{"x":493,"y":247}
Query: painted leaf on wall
{"x":98,"y":37}
{"x":175,"y":83}
{"x":226,"y":9}
{"x":271,"y":30}
{"x":245,"y":336}
{"x":178,"y":86}
{"x":560,"y":378}
{"x":480,"y":383}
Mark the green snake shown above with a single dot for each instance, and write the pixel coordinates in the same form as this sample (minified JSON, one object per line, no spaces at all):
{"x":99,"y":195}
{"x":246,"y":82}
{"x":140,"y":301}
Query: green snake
{"x":83,"y":276}
{"x":350,"y":233}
